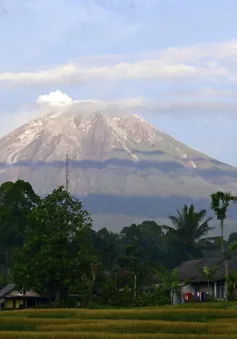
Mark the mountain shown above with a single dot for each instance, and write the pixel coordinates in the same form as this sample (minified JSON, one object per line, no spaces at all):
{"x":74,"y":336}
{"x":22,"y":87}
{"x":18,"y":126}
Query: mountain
{"x":122,"y":168}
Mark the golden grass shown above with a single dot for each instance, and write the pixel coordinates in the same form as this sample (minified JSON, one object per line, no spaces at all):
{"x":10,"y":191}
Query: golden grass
{"x":47,"y":321}
{"x":126,"y":325}
{"x":145,"y":327}
{"x":95,"y":335}
{"x":161,"y":322}
{"x":82,"y":313}
{"x":226,"y":320}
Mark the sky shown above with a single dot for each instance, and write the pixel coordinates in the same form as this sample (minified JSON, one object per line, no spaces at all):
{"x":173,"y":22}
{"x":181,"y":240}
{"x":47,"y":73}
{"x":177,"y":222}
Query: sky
{"x":172,"y":62}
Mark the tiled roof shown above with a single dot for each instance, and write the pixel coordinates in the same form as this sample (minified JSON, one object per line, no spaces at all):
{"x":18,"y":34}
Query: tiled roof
{"x":190,"y":270}
{"x":7,"y":289}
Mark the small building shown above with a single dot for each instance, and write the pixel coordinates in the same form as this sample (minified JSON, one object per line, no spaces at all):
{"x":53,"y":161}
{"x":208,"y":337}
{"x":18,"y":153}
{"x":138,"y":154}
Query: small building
{"x":10,"y":298}
{"x":194,"y":281}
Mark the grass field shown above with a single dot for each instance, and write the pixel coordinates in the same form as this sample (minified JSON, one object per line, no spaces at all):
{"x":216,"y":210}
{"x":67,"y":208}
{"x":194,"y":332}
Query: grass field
{"x":194,"y":321}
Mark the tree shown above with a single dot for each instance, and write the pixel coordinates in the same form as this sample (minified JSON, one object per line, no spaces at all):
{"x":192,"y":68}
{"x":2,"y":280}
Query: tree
{"x":142,"y":247}
{"x":169,"y":280}
{"x":16,"y":202}
{"x":232,"y":238}
{"x":154,"y":242}
{"x":150,"y":238}
{"x":133,"y":265}
{"x":189,"y":229}
{"x":220,"y":204}
{"x":89,"y":279}
{"x":208,"y":273}
{"x":107,"y":246}
{"x":232,"y":285}
{"x":56,"y":250}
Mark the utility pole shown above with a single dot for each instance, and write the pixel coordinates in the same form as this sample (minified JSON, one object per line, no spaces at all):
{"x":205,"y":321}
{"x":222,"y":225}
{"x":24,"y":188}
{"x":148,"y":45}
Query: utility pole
{"x":67,"y":172}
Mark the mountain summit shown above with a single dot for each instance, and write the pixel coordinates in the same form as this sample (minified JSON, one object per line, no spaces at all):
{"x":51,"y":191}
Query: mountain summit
{"x":122,"y":168}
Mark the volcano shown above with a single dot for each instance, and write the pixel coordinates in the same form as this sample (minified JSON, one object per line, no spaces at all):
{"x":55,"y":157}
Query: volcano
{"x":122,"y":168}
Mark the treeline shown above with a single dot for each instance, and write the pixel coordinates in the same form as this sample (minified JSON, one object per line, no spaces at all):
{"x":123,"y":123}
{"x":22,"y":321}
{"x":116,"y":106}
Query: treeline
{"x":48,"y":245}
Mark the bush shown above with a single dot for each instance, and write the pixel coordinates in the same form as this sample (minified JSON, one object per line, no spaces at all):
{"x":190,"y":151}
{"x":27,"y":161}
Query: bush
{"x":157,"y":297}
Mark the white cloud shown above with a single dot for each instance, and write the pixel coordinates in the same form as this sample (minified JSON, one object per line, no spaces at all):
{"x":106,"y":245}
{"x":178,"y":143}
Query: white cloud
{"x":213,"y":62}
{"x":137,"y":104}
{"x":59,"y":101}
{"x":56,"y":98}
{"x":60,"y":74}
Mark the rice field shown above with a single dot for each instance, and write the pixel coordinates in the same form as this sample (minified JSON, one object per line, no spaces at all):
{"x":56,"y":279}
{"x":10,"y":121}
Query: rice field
{"x":202,"y":321}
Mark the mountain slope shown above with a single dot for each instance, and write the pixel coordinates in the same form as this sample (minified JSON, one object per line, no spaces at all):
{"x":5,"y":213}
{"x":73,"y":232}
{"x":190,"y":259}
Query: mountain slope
{"x":120,"y":166}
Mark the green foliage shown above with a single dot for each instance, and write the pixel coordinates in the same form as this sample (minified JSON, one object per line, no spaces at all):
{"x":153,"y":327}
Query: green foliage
{"x":16,"y":202}
{"x":48,"y":245}
{"x":208,"y":272}
{"x":232,"y":286}
{"x":56,"y":247}
{"x":189,"y":229}
{"x":145,"y":298}
{"x":232,"y":238}
{"x":220,"y":203}
{"x":156,"y":297}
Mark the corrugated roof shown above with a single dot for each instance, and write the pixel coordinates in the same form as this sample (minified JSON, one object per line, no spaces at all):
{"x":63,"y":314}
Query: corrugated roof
{"x":189,"y":270}
{"x":7,"y":289}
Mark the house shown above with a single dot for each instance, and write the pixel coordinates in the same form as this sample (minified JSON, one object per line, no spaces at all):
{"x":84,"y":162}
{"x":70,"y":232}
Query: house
{"x":193,"y":280}
{"x":10,"y":298}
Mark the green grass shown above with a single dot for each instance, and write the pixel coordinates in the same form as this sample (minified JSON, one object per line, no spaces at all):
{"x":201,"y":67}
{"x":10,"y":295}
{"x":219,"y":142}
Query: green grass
{"x":193,"y":321}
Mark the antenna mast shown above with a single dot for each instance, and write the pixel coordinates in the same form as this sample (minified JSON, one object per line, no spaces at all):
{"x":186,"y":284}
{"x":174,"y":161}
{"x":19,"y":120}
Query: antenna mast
{"x":67,"y":172}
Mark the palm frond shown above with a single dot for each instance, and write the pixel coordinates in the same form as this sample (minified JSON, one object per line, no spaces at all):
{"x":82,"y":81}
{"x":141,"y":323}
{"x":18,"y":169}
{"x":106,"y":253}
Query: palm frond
{"x":189,"y":226}
{"x":174,"y":220}
{"x":167,"y":228}
{"x":201,"y":214}
{"x":203,"y":229}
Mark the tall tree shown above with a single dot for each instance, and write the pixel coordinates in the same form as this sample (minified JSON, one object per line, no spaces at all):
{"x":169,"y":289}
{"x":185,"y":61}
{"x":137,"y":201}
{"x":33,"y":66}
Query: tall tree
{"x":107,"y":246}
{"x":16,"y":202}
{"x":55,"y":254}
{"x":220,"y":204}
{"x":190,"y":229}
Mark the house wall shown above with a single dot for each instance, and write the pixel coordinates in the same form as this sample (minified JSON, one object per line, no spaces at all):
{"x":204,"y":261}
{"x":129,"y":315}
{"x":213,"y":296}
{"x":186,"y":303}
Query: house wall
{"x":220,"y":291}
{"x":19,"y":302}
{"x":194,"y":288}
{"x":215,"y":289}
{"x":187,"y":289}
{"x":9,"y":304}
{"x":204,"y":288}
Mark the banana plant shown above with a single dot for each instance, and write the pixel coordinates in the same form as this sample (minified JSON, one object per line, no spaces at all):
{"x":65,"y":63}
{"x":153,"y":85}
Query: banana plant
{"x":208,"y":273}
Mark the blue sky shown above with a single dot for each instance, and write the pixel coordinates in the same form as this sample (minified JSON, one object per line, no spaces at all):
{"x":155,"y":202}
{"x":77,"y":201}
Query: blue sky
{"x":173,"y":62}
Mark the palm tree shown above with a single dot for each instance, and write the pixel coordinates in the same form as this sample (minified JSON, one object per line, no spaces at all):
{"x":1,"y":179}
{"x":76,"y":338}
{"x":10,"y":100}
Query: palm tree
{"x":190,"y":229}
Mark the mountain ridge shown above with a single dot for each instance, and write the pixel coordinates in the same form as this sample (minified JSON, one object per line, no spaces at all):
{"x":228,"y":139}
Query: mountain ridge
{"x":114,"y":159}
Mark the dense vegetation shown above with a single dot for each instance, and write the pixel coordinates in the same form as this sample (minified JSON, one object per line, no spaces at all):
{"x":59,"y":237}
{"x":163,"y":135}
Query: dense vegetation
{"x":48,"y":245}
